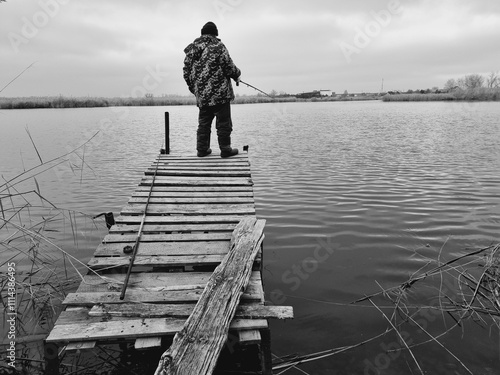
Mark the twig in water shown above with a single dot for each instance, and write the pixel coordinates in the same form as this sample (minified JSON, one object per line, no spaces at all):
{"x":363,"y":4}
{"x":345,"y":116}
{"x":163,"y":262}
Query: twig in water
{"x":399,"y":335}
{"x":435,"y":270}
{"x":323,"y":354}
{"x":441,"y":345}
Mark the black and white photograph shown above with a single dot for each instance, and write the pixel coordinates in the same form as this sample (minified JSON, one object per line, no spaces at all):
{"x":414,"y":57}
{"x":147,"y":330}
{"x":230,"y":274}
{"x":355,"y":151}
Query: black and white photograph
{"x":237,"y":187}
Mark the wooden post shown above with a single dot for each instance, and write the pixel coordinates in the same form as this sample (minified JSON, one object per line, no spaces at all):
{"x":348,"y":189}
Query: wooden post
{"x":51,"y":359}
{"x":265,"y":349}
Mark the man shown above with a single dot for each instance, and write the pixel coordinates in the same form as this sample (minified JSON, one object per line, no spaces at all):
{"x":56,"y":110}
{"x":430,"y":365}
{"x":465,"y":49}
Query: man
{"x":208,"y":70}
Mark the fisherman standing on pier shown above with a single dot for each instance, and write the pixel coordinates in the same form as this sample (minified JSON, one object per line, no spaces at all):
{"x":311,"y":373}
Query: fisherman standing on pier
{"x":208,"y":70}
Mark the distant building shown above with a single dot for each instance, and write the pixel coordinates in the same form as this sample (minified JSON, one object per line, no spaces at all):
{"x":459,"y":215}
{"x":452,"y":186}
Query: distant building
{"x":315,"y":94}
{"x":308,"y":95}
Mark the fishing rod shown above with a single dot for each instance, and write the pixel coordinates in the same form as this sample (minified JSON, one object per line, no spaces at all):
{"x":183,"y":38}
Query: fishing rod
{"x":133,"y":250}
{"x":255,"y":88}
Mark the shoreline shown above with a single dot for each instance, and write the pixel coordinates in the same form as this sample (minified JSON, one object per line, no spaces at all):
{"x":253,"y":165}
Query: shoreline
{"x":476,"y":95}
{"x":481,"y":94}
{"x":96,"y":102}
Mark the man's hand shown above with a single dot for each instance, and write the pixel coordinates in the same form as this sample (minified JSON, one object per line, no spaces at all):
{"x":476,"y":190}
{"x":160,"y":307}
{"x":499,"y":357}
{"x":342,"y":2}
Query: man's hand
{"x":237,"y":80}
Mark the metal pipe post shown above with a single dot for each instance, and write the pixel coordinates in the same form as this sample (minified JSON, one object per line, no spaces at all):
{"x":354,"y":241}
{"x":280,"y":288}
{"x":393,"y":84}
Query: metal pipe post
{"x":167,"y":133}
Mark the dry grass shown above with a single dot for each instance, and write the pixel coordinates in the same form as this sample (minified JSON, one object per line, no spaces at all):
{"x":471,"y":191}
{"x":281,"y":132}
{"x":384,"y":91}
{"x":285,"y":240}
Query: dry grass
{"x":479,"y":94}
{"x":169,"y":100}
{"x":469,"y":291}
{"x":30,"y":227}
{"x":92,"y":102}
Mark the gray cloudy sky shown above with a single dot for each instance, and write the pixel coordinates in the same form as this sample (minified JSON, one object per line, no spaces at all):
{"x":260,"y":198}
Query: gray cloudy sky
{"x":129,"y":47}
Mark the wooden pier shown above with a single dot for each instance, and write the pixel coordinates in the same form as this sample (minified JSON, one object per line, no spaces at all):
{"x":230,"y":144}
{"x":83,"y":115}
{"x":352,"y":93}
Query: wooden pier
{"x":180,"y":220}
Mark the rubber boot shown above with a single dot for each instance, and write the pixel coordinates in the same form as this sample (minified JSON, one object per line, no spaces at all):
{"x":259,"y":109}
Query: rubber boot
{"x":227,"y":151}
{"x":204,"y":153}
{"x":203,"y":145}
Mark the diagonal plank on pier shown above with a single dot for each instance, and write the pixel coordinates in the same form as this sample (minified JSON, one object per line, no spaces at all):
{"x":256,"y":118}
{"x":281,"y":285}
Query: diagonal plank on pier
{"x":196,"y":348}
{"x":186,"y":209}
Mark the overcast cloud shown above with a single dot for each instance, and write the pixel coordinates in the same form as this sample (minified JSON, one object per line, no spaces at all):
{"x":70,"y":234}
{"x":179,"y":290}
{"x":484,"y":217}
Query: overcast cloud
{"x":125,"y":47}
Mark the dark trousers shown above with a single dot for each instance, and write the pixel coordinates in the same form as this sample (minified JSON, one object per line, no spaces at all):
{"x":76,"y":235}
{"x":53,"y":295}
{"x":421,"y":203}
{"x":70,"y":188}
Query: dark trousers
{"x":223,"y":124}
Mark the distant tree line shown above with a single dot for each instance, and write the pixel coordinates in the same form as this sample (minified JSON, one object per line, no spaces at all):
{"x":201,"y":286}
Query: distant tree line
{"x":474,"y":81}
{"x":470,"y":87}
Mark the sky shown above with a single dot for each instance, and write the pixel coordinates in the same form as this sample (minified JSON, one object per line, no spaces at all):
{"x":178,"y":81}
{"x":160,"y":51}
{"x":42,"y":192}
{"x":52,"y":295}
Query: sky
{"x":124,"y":48}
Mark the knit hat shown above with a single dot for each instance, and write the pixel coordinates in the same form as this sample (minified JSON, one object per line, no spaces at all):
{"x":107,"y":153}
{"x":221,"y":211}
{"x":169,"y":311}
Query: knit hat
{"x":210,"y":28}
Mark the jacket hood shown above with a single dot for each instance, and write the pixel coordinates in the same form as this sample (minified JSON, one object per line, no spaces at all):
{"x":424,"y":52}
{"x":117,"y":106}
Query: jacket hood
{"x":195,"y":49}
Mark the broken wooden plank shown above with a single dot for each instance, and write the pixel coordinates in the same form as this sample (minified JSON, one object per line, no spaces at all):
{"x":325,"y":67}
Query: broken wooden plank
{"x":197,"y":346}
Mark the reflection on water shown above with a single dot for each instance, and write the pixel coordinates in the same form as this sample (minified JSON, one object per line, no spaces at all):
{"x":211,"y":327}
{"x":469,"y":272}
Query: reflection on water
{"x":374,"y":189}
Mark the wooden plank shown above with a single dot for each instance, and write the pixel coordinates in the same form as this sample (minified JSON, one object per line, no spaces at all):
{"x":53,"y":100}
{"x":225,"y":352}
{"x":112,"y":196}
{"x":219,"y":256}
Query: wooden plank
{"x":115,"y":262}
{"x":80,"y":345}
{"x":203,"y":161}
{"x":193,"y":194}
{"x":171,"y":296}
{"x":148,"y":228}
{"x":156,"y":260}
{"x":95,"y":314}
{"x":197,"y":173}
{"x":148,"y":310}
{"x":199,"y":167}
{"x":172,"y":237}
{"x":131,"y":329}
{"x":202,"y":189}
{"x":155,"y":281}
{"x":249,"y":337}
{"x":166,"y":248}
{"x":147,"y":342}
{"x":197,"y":346}
{"x":193,"y":200}
{"x":190,"y":209}
{"x":136,"y":295}
{"x":214,"y":157}
{"x":196,"y":181}
{"x":179,"y":219}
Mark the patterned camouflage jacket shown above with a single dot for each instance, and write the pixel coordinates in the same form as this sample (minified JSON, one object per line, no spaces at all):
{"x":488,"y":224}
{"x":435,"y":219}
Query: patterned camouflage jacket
{"x":207,"y":71}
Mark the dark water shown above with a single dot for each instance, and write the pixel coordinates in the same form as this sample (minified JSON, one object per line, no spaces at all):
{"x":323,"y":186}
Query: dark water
{"x":357,"y":197}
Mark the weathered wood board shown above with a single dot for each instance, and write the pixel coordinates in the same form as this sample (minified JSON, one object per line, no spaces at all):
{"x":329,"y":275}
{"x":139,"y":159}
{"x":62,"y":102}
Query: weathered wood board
{"x":196,"y":348}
